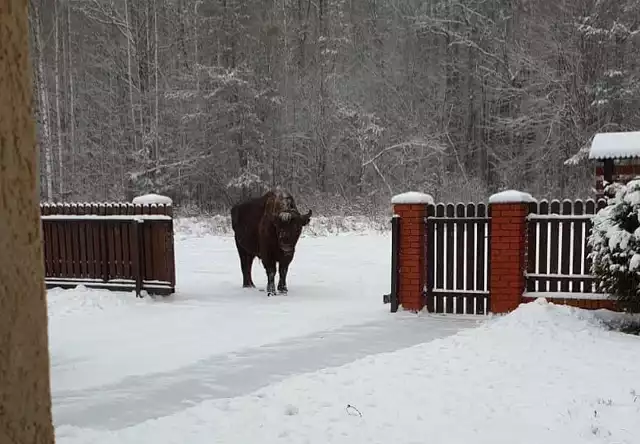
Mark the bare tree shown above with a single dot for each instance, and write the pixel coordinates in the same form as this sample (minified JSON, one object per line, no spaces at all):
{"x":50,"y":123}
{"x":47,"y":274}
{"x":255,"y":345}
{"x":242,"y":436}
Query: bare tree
{"x":184,"y":98}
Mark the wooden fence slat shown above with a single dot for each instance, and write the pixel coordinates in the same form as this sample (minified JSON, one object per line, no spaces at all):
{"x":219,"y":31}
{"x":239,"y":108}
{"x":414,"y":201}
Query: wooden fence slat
{"x":117,"y":242}
{"x":83,"y":246}
{"x":439,"y":262}
{"x":127,"y":248}
{"x":472,"y":250}
{"x":554,"y":244}
{"x":136,"y":254}
{"x":170,"y":249}
{"x":55,"y":248}
{"x":68,"y":244}
{"x":430,"y":257}
{"x":95,"y":266}
{"x":460,"y":250}
{"x":59,"y":244}
{"x":144,"y":244}
{"x":159,"y":238}
{"x":75,"y":244}
{"x":111,"y":242}
{"x":46,"y":239}
{"x":449,"y":257}
{"x":482,"y":243}
{"x":566,"y":252}
{"x":543,"y":249}
{"x":104,"y":252}
{"x":590,"y":208}
{"x":578,"y":246}
{"x":88,"y":243}
{"x":149,"y":257}
{"x":128,"y":239}
{"x":532,"y":240}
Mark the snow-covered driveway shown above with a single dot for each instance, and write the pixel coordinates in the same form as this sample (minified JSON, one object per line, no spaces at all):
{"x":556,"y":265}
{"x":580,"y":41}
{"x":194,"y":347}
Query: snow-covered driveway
{"x":117,"y":361}
{"x":542,"y":374}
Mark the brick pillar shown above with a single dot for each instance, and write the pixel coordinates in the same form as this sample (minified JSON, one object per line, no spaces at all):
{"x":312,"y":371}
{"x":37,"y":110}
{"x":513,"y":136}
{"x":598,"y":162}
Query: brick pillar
{"x":411,"y":207}
{"x":509,"y":210}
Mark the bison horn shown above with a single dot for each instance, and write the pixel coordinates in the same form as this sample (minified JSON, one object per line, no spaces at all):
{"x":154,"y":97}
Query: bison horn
{"x":285,"y":217}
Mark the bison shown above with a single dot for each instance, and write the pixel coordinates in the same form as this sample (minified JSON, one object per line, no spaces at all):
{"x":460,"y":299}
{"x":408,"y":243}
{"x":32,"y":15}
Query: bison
{"x":267,"y":227}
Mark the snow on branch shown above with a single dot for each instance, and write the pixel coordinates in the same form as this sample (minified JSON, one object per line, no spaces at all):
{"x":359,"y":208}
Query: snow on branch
{"x":245,"y":180}
{"x":579,"y":157}
{"x":420,"y":143}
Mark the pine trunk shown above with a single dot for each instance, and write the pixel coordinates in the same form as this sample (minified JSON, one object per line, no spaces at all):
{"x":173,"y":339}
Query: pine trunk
{"x":25,"y":395}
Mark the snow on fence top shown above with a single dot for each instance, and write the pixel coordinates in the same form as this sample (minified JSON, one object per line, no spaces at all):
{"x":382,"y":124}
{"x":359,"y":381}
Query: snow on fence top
{"x":615,"y":145}
{"x":149,"y":199}
{"x":87,"y":217}
{"x":511,"y":196}
{"x":412,"y":197}
{"x":78,"y":210}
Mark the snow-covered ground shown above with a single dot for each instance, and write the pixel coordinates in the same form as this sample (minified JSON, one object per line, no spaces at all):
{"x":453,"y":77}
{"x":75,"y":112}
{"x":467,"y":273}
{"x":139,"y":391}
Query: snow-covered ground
{"x":219,"y":364}
{"x":118,"y":360}
{"x":99,"y":337}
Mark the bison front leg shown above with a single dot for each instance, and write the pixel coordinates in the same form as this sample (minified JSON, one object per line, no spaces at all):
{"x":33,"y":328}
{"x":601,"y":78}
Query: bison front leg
{"x":282,"y":282}
{"x":270,"y":268}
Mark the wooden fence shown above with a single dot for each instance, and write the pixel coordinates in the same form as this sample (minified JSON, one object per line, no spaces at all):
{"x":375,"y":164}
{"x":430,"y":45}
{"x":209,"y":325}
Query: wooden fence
{"x":542,"y":249}
{"x":109,"y":245}
{"x":457,"y":258}
{"x":557,"y":252}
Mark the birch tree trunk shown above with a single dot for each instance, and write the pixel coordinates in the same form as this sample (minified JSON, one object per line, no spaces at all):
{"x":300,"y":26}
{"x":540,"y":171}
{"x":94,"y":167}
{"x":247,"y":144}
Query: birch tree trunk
{"x":130,"y":76}
{"x":44,"y":102}
{"x":58,"y":92}
{"x":156,"y":154}
{"x":72,"y":114}
{"x":25,"y":394}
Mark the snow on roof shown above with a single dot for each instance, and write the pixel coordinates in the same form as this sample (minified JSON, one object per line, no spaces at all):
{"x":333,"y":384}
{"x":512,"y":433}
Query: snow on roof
{"x":412,"y":197}
{"x":511,"y":196}
{"x":615,"y":145}
{"x":149,"y":199}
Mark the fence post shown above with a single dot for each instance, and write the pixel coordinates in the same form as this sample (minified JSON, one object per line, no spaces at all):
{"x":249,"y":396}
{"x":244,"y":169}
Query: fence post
{"x":411,"y":207}
{"x":394,"y":297}
{"x":508,"y":243}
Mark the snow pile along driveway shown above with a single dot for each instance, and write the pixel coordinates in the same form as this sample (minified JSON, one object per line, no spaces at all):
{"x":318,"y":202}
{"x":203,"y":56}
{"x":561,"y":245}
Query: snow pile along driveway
{"x":543,"y":374}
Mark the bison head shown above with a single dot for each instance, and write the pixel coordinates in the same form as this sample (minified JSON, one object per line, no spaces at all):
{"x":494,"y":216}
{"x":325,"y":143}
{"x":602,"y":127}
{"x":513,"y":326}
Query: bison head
{"x":289,"y":226}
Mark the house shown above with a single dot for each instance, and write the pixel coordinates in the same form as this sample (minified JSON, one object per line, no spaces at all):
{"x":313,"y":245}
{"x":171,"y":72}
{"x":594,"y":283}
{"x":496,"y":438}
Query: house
{"x":617,"y":157}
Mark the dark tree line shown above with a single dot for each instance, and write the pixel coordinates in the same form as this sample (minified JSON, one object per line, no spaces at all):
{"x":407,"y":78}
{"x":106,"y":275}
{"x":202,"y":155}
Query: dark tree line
{"x":342,"y":101}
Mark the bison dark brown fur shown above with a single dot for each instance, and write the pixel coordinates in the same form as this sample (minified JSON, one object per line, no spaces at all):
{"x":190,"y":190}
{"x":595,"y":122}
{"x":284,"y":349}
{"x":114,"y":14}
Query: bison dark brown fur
{"x":268,"y":227}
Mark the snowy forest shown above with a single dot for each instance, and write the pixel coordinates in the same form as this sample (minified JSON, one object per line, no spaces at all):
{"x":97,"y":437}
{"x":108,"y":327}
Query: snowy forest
{"x":344,"y":102}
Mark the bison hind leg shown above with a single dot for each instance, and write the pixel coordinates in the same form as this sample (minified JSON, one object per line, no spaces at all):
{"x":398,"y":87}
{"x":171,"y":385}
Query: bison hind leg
{"x":246,"y":261}
{"x":249,"y":263}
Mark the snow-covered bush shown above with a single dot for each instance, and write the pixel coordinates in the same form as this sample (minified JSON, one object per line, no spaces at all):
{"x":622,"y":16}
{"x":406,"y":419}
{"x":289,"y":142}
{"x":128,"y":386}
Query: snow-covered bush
{"x":615,"y":243}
